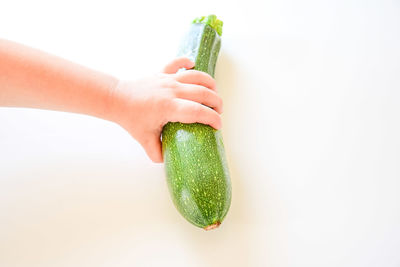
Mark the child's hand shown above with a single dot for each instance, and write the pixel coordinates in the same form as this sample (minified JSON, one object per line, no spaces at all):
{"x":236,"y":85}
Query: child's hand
{"x":143,"y":107}
{"x":31,"y":78}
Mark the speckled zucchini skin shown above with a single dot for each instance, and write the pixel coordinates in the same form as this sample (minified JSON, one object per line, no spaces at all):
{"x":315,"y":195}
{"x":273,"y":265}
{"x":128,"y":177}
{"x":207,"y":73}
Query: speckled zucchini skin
{"x":194,"y":155}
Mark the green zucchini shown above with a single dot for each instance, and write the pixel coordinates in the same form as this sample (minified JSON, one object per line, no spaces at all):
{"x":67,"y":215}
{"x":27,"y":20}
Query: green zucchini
{"x":194,"y":156}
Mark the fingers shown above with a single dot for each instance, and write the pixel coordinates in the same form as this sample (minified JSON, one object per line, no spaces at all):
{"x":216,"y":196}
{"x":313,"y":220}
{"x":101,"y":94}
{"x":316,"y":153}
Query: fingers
{"x":187,"y":111}
{"x":178,"y":63}
{"x":196,"y":77}
{"x":152,"y":146}
{"x":194,"y":101}
{"x":200,"y":94}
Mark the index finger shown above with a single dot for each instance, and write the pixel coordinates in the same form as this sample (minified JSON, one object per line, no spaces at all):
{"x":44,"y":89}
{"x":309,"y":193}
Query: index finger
{"x":178,"y":63}
{"x":196,"y":77}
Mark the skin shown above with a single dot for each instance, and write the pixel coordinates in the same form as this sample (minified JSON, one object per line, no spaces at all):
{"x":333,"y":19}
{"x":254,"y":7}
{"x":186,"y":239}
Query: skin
{"x":35,"y":79}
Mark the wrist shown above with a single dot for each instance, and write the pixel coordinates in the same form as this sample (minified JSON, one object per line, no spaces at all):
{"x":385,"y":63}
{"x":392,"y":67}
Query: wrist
{"x":115,"y":102}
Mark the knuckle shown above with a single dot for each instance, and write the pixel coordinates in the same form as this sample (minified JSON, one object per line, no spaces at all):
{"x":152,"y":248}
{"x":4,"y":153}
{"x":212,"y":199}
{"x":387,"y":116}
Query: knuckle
{"x":204,"y":94}
{"x":198,"y":111}
{"x":176,"y":89}
{"x":182,"y":74}
{"x":168,"y":82}
{"x":164,"y":104}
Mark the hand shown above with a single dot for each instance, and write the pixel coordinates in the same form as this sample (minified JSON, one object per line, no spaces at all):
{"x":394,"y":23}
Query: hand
{"x":143,"y":107}
{"x":32,"y":78}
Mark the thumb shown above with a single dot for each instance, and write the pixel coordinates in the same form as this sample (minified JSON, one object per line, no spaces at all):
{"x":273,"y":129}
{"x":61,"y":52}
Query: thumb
{"x":178,"y":63}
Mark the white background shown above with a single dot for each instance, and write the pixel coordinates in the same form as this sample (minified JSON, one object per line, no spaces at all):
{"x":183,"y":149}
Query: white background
{"x":311,"y":94}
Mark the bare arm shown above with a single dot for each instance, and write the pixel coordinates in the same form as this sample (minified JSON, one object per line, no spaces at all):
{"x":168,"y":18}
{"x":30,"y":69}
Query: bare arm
{"x":32,"y":78}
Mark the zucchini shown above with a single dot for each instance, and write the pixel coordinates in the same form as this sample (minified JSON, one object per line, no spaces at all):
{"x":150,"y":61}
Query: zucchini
{"x":194,"y":156}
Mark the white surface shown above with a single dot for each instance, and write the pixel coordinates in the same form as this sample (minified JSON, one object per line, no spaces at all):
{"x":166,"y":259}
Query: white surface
{"x":311,"y":127}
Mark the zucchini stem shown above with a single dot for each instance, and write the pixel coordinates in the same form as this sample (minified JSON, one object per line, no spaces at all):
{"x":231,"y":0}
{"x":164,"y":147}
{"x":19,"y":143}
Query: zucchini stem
{"x":212,"y":21}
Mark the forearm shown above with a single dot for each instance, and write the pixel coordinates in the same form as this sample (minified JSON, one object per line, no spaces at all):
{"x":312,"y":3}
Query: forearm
{"x":31,"y":78}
